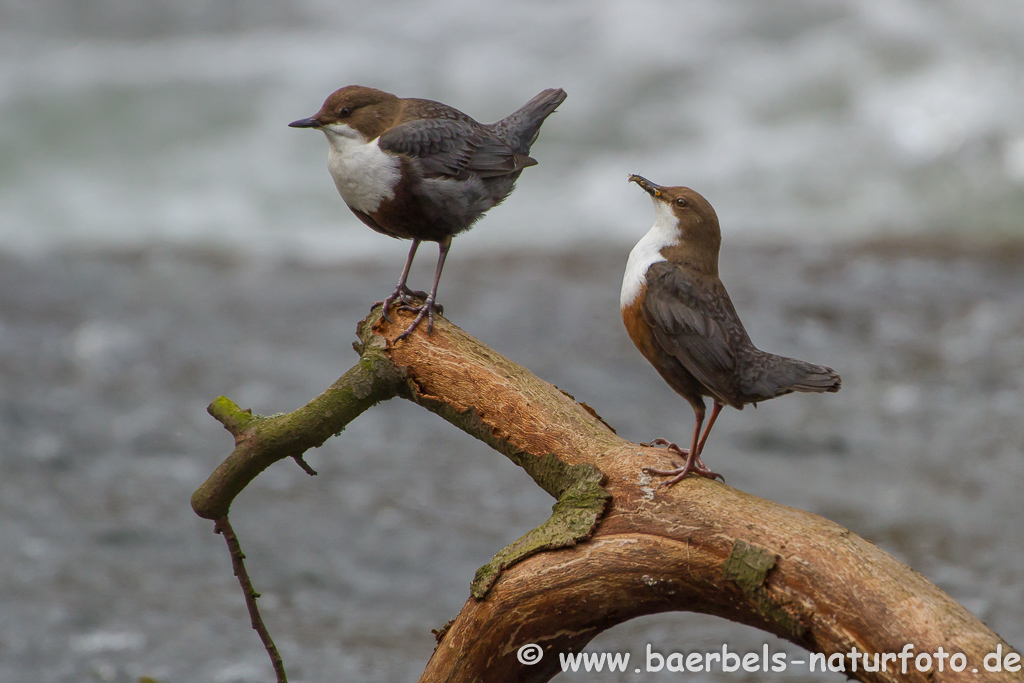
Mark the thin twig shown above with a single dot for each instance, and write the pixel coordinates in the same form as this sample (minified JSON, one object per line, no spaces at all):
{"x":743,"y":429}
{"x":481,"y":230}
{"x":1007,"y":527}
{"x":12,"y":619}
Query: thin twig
{"x":304,"y":465}
{"x":223,"y":526}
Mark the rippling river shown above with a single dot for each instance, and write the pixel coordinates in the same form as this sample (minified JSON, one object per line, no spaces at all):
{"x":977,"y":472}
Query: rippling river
{"x":165,"y":238}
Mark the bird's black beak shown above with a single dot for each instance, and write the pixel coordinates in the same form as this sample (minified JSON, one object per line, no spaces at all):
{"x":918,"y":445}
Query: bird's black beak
{"x":649,"y":187}
{"x":311,"y":122}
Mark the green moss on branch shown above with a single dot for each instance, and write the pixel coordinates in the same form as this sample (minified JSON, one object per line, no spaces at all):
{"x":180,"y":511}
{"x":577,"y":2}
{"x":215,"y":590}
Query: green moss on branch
{"x":748,"y":566}
{"x":260,"y":441}
{"x":574,"y":517}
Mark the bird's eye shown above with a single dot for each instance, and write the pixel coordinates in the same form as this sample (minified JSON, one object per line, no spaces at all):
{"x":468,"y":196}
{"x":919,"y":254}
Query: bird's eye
{"x":681,"y":201}
{"x":344,"y":112}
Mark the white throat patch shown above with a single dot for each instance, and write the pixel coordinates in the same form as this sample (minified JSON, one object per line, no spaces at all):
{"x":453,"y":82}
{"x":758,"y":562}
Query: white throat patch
{"x":364,"y":174}
{"x":647,"y":252}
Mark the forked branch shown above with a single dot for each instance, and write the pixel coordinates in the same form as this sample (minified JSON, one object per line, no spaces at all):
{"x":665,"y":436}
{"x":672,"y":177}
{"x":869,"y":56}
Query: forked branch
{"x":616,"y":547}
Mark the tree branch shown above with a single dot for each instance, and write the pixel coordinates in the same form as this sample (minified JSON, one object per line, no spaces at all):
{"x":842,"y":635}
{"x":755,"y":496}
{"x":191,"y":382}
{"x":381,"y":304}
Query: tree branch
{"x":698,"y":546}
{"x":223,"y":526}
{"x":261,"y":441}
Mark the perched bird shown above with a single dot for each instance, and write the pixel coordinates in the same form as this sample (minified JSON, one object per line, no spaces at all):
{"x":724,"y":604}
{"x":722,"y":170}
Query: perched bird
{"x":679,"y":315}
{"x":421,"y":170}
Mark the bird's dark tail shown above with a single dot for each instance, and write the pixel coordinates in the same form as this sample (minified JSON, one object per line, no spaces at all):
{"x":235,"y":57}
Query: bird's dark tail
{"x":783,"y":375}
{"x":521,"y":128}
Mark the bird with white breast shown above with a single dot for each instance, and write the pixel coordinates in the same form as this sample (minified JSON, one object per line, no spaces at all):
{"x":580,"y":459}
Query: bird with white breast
{"x":422,"y":170}
{"x":680,"y":317}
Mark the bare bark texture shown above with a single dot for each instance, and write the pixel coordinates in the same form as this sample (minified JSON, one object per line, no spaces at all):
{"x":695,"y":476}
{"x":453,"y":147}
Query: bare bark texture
{"x":617,"y":546}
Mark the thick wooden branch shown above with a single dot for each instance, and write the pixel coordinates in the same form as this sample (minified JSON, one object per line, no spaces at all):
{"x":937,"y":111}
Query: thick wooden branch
{"x":617,"y":546}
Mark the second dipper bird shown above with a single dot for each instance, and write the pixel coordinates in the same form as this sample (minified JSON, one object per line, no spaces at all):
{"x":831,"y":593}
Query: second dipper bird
{"x":679,"y":315}
{"x":421,"y":170}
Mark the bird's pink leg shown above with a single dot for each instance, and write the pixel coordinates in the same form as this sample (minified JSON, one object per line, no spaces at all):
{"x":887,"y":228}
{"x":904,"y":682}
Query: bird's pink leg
{"x":428,"y":307}
{"x":716,"y":408}
{"x":401,"y":293}
{"x":693,"y":462}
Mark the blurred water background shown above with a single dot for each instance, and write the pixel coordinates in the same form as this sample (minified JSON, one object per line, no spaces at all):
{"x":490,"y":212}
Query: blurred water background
{"x":165,"y":238}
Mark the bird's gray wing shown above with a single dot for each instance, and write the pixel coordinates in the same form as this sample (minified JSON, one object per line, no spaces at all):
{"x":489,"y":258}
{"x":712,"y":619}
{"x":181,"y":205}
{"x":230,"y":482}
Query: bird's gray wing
{"x":452,"y":148}
{"x":686,"y":326}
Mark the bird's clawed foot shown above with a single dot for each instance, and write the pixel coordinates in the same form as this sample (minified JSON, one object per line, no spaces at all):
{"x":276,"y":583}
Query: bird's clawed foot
{"x":404,"y":296}
{"x":694,"y":464}
{"x":669,"y":446}
{"x":425,"y":310}
{"x":681,"y":471}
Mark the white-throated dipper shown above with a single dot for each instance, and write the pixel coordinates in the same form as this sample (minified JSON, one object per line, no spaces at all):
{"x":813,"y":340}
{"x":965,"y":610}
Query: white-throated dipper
{"x":421,"y":170}
{"x":679,"y":315}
